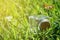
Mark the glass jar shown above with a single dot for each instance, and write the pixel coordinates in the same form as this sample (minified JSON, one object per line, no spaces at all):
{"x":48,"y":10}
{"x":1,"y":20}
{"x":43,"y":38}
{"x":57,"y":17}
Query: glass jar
{"x":42,"y":22}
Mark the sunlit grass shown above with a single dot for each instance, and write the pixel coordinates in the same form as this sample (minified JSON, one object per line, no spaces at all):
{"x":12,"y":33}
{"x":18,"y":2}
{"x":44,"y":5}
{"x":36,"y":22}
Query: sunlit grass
{"x":14,"y":19}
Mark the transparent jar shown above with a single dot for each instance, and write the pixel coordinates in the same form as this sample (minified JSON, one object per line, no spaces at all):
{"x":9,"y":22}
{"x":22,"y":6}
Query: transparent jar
{"x":41,"y":22}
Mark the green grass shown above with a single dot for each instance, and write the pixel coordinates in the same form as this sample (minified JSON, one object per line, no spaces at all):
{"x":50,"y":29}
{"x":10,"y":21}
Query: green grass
{"x":14,"y":22}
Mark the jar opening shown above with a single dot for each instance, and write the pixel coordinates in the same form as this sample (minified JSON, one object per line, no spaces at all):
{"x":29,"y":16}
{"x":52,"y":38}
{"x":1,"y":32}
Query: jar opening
{"x":44,"y":25}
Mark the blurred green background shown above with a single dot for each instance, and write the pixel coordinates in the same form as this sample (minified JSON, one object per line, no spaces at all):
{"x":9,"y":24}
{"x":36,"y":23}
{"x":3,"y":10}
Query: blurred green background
{"x":14,"y":19}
